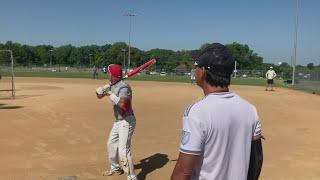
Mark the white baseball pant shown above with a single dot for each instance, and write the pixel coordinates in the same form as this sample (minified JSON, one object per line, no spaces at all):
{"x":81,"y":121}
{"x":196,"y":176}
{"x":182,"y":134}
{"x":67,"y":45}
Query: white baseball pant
{"x":119,"y":143}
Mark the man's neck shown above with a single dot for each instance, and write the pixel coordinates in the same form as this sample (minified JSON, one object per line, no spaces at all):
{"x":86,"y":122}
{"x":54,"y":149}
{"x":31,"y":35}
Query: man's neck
{"x":207,"y":89}
{"x":115,"y":81}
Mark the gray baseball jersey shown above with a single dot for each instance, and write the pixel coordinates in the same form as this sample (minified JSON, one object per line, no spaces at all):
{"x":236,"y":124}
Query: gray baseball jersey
{"x":122,"y":90}
{"x":219,"y":128}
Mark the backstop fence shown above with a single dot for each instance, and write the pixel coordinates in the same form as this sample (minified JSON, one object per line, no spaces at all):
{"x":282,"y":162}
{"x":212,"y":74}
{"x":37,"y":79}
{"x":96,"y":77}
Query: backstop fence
{"x":7,"y":77}
{"x":308,"y":80}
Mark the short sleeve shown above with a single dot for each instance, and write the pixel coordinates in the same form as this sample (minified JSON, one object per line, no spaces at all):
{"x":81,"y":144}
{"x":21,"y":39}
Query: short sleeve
{"x":192,"y":136}
{"x":257,"y":130}
{"x":125,"y":92}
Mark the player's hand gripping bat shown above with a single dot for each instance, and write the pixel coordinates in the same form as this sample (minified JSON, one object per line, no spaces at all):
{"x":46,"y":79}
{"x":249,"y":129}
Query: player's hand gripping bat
{"x":107,"y":87}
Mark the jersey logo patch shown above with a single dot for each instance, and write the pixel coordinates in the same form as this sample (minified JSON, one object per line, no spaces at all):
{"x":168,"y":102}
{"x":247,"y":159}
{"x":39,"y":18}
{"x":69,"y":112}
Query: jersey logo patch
{"x":185,"y":137}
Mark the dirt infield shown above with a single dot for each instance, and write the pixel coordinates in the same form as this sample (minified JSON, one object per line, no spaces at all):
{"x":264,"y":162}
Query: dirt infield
{"x":57,"y":127}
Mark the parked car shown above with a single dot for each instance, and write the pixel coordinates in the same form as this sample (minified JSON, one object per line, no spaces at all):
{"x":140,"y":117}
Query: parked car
{"x":163,"y":73}
{"x":307,"y":76}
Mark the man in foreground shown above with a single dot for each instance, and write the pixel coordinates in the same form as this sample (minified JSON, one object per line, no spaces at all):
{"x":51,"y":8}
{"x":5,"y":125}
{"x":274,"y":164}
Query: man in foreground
{"x":219,"y":130}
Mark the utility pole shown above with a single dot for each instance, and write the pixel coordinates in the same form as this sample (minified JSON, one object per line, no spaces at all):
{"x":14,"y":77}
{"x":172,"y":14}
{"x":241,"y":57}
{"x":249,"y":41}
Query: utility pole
{"x":235,"y":69}
{"x":130,"y":15}
{"x":295,"y":43}
{"x":90,"y":60}
{"x":124,"y":59}
{"x":51,"y":50}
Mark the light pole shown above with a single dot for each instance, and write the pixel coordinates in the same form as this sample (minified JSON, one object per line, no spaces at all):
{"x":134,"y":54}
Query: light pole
{"x":51,"y":57}
{"x":124,"y":59}
{"x":90,"y":59}
{"x":295,"y":43}
{"x":235,"y":69}
{"x":130,"y":15}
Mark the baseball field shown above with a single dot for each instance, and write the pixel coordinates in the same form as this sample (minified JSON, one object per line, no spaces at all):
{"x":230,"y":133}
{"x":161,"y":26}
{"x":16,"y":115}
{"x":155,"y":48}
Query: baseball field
{"x":56,"y":127}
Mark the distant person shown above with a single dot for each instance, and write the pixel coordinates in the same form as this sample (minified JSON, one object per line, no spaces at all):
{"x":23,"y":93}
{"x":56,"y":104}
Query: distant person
{"x":220,"y":130}
{"x":270,"y":75}
{"x":192,"y":75}
{"x":95,"y":72}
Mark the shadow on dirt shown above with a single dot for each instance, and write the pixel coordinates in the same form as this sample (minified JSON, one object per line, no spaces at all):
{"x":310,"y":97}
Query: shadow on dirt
{"x":150,"y":164}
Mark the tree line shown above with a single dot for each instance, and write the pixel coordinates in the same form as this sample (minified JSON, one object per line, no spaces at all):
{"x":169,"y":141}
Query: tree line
{"x":99,"y":56}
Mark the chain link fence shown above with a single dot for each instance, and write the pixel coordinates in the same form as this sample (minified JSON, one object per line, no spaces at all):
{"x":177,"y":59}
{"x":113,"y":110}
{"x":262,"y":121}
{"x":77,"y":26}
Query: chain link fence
{"x":308,"y":80}
{"x":7,"y":81}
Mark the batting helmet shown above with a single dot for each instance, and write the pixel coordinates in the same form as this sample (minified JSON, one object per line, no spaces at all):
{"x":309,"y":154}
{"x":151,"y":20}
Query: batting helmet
{"x":114,"y":69}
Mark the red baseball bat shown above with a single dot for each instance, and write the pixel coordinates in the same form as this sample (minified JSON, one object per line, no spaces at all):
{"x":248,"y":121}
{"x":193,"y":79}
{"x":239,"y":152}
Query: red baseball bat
{"x":140,"y":68}
{"x":133,"y":72}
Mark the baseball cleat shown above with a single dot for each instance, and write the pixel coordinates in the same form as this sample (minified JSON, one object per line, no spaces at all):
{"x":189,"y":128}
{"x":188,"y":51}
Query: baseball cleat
{"x":112,"y":172}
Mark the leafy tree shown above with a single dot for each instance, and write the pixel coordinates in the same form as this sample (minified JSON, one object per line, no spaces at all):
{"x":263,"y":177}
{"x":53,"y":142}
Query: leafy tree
{"x":285,"y":70}
{"x":301,"y":68}
{"x":43,"y":53}
{"x":310,"y":66}
{"x":246,"y":58}
{"x":204,"y":46}
{"x":161,"y":55}
{"x":112,"y":53}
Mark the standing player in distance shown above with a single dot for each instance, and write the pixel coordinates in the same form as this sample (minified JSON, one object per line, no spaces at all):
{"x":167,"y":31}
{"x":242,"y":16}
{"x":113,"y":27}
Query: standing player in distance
{"x":219,"y":130}
{"x":95,"y":72}
{"x":192,"y":75}
{"x":119,"y":142}
{"x":270,"y":75}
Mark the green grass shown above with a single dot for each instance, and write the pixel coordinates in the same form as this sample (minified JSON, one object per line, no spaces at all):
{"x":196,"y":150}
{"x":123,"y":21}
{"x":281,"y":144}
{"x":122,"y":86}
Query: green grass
{"x":186,"y":79}
{"x":168,"y":78}
{"x":54,"y":74}
{"x":249,"y":81}
{"x":50,"y":74}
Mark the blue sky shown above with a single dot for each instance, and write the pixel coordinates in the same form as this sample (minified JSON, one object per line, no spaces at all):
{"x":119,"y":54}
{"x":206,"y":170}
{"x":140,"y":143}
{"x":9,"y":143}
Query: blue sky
{"x":267,"y":26}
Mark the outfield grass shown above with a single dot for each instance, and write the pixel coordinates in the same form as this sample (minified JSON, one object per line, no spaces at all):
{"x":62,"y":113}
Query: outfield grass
{"x":168,"y":78}
{"x":53,"y":74}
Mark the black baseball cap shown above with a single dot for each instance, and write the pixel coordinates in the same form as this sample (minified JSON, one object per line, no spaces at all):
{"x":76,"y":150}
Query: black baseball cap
{"x":216,"y":58}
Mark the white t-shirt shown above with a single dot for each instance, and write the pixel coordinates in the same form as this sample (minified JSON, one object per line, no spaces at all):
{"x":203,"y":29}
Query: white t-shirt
{"x":271,"y":74}
{"x":220,"y":128}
